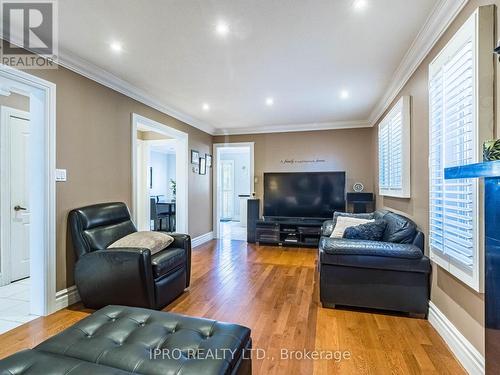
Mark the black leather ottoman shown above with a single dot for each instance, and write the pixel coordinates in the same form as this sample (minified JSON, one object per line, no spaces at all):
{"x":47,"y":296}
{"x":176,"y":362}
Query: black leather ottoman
{"x":123,"y":340}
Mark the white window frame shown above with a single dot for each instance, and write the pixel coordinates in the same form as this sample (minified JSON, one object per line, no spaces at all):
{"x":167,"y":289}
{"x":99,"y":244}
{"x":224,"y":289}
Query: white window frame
{"x":481,"y":25}
{"x":402,"y":190}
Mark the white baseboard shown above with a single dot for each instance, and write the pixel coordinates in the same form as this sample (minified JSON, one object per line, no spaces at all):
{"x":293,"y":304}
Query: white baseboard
{"x":466,"y":353}
{"x":66,"y":297}
{"x":200,"y":240}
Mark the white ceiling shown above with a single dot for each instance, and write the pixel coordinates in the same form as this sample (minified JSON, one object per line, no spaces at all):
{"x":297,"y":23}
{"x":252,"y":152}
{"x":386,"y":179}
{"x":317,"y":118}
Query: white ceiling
{"x":302,"y":53}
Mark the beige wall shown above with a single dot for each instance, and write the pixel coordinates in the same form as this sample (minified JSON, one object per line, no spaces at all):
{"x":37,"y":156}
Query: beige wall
{"x":151,"y":136}
{"x":347,"y":150}
{"x":462,"y":305}
{"x":94,"y":145}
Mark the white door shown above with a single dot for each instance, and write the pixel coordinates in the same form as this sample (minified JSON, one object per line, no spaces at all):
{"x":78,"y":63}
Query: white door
{"x":143,"y":178}
{"x":16,"y":150}
{"x":227,"y":189}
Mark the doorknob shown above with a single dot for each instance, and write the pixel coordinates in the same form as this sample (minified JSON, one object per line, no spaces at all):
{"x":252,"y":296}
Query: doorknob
{"x":19,"y":208}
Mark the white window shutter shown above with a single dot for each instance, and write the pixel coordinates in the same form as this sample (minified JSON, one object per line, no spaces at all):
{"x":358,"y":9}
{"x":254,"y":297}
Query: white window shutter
{"x":394,"y":151}
{"x":454,"y":123}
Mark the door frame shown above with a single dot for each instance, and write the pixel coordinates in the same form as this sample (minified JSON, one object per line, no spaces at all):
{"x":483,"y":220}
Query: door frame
{"x":42,"y":95}
{"x":216,"y":200}
{"x":181,"y":167}
{"x":5,"y":191}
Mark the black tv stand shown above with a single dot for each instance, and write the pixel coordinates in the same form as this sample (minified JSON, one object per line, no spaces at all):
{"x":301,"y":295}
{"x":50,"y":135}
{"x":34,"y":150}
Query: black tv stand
{"x":289,"y":231}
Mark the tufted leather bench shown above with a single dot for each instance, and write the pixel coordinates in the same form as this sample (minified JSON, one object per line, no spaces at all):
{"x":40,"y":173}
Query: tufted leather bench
{"x":123,"y":340}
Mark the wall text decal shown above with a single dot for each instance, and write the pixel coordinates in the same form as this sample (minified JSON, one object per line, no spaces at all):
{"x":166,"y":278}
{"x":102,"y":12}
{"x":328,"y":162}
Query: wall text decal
{"x":302,"y":161}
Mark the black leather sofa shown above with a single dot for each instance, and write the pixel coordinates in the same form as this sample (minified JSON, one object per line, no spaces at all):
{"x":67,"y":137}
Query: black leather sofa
{"x":392,"y":274}
{"x":123,"y":340}
{"x":127,"y":276}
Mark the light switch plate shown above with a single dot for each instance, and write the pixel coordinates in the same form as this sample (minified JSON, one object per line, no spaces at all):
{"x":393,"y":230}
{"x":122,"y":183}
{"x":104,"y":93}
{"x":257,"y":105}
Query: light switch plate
{"x":61,"y":175}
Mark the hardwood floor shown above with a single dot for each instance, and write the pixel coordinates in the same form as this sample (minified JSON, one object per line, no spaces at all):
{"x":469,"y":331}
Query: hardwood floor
{"x":274,"y":292}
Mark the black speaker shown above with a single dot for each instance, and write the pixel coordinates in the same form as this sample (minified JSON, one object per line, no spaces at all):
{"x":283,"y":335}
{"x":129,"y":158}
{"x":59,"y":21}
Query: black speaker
{"x":253,"y":214}
{"x":359,"y":201}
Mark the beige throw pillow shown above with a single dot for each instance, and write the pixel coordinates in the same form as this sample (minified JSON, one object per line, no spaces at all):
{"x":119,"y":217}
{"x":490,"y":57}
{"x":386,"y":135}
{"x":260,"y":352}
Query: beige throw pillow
{"x":344,"y":222}
{"x":154,"y":241}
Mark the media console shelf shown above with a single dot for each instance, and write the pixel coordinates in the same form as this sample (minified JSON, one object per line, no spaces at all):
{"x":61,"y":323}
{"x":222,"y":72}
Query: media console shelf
{"x":289,"y":231}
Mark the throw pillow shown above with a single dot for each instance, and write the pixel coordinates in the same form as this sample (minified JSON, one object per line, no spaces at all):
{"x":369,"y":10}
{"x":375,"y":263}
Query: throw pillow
{"x":369,"y":231}
{"x":345,"y":221}
{"x":337,"y":214}
{"x":154,"y":241}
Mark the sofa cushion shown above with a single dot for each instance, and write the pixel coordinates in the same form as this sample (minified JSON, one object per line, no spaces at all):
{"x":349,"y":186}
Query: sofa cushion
{"x":379,"y":214}
{"x":152,"y":342}
{"x":344,"y":222}
{"x":167,"y":260}
{"x":373,"y":231}
{"x":421,"y":265}
{"x":399,"y":229}
{"x":337,"y":214}
{"x":154,"y":241}
{"x":372,"y":254}
{"x":342,"y":246}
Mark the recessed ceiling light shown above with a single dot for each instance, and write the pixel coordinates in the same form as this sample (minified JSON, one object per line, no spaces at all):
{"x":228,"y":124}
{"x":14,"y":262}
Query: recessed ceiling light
{"x":344,"y":94}
{"x":360,"y":4}
{"x":222,"y":29}
{"x":269,"y":102}
{"x":116,"y":46}
{"x":206,"y":107}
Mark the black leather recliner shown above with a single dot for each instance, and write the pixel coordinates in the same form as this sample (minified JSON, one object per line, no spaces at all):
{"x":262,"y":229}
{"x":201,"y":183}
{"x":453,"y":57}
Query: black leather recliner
{"x":127,"y":276}
{"x":392,"y":274}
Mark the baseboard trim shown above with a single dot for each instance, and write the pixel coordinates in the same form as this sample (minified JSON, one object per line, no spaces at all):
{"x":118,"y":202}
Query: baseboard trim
{"x":466,"y":353}
{"x":200,"y":240}
{"x":66,"y":297}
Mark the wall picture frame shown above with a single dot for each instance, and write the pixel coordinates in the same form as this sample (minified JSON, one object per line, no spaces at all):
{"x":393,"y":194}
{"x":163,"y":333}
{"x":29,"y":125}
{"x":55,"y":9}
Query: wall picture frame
{"x":208,"y":157}
{"x":203,"y":166}
{"x":195,"y":157}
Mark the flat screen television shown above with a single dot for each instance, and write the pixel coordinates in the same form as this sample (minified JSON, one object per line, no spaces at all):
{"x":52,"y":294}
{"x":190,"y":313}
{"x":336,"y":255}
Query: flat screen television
{"x":304,"y":195}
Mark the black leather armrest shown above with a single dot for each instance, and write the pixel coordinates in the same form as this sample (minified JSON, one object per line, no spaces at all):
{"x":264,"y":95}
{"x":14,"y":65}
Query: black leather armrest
{"x":120,"y":276}
{"x":183,"y":241}
{"x":341,"y":246}
{"x":327,"y":228}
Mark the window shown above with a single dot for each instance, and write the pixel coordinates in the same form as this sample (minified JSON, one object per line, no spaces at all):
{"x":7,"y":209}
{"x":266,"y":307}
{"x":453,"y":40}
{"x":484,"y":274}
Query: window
{"x":454,"y":120}
{"x":394,"y":151}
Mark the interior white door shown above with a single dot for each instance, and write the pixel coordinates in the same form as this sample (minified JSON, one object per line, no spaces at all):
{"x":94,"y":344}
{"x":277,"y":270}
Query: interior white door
{"x":143,"y":175}
{"x":227,"y":189}
{"x":19,"y":129}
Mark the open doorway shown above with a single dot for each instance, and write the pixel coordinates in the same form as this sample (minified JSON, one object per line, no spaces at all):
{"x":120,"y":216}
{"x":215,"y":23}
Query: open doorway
{"x":233,"y":185}
{"x":27,"y":198}
{"x":15,"y":136}
{"x":160,"y":173}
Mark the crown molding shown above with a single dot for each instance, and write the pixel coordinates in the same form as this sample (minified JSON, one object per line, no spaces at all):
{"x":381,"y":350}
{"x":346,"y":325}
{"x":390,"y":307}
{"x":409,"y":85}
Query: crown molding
{"x":105,"y":78}
{"x":441,"y":17}
{"x":93,"y":72}
{"x":294,"y":128}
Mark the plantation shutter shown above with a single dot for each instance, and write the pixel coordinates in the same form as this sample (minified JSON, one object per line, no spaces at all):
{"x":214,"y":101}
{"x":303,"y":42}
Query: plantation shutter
{"x":384,"y":173}
{"x":454,"y":129}
{"x":394,"y":150}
